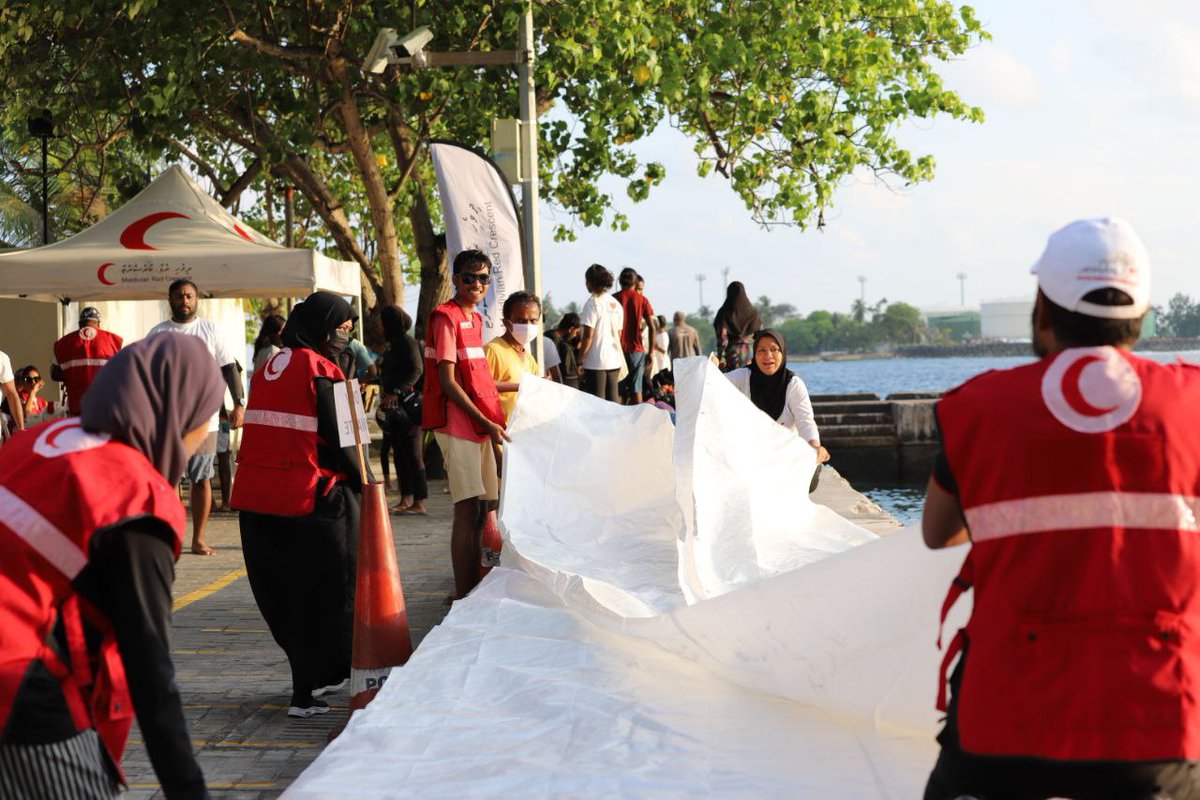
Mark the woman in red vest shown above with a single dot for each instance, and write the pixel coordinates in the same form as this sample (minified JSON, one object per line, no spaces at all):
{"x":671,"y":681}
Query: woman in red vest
{"x":86,"y":573}
{"x":299,"y":496}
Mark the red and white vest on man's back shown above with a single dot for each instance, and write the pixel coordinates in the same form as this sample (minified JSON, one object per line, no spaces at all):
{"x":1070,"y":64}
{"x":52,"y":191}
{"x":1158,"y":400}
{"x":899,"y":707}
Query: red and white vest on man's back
{"x":80,"y":355}
{"x":278,"y":469}
{"x":59,"y":485}
{"x":1079,"y":478}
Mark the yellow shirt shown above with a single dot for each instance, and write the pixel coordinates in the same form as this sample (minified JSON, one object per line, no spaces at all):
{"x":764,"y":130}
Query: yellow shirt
{"x":507,"y":366}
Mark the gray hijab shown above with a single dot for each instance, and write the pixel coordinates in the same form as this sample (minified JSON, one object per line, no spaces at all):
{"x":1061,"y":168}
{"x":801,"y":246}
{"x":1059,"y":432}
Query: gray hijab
{"x":153,"y":392}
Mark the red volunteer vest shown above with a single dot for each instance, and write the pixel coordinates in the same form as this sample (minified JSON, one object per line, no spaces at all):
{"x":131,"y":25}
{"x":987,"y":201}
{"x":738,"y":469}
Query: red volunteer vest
{"x":1079,"y":478}
{"x":470,"y":370}
{"x":80,"y":355}
{"x":278,"y":472}
{"x":58,"y":485}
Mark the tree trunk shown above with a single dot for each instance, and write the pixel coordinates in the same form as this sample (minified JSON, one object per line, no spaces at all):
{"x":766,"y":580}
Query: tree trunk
{"x":378,"y":202}
{"x":430,"y":247}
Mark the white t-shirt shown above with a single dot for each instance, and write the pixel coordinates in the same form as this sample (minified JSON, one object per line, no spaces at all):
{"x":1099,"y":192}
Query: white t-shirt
{"x":603,"y":314}
{"x":6,"y":370}
{"x":207,"y":333}
{"x":550,"y":354}
{"x":797,"y":411}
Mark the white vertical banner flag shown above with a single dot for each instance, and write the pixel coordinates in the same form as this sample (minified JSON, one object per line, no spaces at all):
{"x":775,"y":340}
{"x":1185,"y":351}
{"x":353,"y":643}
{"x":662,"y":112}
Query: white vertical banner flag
{"x":481,"y":214}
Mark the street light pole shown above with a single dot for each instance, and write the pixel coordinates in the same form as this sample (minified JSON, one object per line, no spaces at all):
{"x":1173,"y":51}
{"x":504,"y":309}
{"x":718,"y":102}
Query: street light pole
{"x":529,"y":137}
{"x":962,"y":289}
{"x":43,"y":128}
{"x":700,"y":279}
{"x":862,"y":290}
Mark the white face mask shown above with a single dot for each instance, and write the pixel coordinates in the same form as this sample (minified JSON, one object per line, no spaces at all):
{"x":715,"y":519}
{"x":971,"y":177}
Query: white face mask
{"x":524,"y":332}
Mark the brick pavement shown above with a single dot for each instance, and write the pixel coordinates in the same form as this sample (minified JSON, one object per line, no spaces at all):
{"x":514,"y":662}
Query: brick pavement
{"x":234,"y":678}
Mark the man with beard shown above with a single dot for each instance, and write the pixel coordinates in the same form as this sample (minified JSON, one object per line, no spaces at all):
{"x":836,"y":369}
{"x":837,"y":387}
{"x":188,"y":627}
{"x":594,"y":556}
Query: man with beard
{"x":184,"y":298}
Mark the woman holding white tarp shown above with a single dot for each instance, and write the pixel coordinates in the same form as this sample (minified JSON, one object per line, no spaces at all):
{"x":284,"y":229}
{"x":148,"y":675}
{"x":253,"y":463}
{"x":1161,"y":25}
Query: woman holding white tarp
{"x":778,"y":392}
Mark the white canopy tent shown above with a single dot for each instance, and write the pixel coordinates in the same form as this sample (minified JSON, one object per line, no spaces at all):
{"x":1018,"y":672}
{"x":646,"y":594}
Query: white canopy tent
{"x":171,"y":229}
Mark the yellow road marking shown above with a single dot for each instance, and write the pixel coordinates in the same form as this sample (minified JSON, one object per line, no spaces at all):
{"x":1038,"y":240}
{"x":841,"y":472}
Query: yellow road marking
{"x":212,"y":588}
{"x":234,"y":630}
{"x":196,"y":652}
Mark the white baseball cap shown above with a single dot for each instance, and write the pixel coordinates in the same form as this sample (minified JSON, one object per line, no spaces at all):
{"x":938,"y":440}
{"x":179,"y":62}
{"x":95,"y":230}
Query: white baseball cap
{"x":1098,"y":253}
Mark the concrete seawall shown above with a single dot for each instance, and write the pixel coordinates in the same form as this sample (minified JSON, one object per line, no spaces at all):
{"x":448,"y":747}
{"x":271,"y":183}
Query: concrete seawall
{"x":880,"y":441}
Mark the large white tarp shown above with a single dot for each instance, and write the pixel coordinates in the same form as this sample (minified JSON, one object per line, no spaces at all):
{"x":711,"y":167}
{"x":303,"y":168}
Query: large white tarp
{"x":673,"y":618}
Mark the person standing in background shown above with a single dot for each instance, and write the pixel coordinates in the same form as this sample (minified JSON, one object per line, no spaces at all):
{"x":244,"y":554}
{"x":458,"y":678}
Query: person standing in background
{"x":299,"y":525}
{"x":636,"y":313}
{"x":268,"y":341}
{"x":35,"y":409}
{"x":565,"y":339}
{"x":735,"y":324}
{"x":401,"y":370}
{"x":461,"y":406}
{"x":683,"y":340}
{"x":80,"y":354}
{"x":508,"y":356}
{"x":601,"y":322}
{"x":659,"y":360}
{"x":184,"y":299}
{"x":8,"y":387}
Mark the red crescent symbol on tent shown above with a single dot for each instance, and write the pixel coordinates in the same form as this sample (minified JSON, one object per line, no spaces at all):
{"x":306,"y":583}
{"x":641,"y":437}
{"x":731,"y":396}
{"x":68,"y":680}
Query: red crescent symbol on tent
{"x":238,"y":229}
{"x":134,"y":235}
{"x":100,"y":274}
{"x":1072,"y":393}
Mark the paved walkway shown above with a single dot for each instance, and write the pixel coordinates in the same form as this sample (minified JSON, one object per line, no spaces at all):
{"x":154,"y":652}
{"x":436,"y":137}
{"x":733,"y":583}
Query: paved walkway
{"x":235,"y":679}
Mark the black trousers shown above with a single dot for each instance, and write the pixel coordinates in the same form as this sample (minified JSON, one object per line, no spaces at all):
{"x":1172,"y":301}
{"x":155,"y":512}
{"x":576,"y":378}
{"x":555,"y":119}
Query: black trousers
{"x":302,"y":572}
{"x":602,"y":383}
{"x":959,"y":774}
{"x":408,"y":446}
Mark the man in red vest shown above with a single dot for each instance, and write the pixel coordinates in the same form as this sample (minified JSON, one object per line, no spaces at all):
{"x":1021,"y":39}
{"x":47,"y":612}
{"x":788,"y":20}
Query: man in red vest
{"x":1075,"y":479}
{"x":461,"y":406}
{"x":80,"y":354}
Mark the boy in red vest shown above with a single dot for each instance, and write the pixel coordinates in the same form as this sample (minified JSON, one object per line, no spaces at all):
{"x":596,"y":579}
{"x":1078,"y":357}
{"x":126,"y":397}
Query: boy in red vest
{"x":461,"y":406}
{"x":1075,"y":480}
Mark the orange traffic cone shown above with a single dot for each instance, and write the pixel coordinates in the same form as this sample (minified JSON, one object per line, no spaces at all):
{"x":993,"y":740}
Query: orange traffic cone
{"x":381,"y":636}
{"x":491,"y":545}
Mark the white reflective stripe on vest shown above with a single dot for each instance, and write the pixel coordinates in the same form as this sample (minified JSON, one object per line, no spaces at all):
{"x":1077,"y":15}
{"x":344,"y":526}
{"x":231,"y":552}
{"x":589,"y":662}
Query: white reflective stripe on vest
{"x":1060,"y":512}
{"x":84,"y":362}
{"x":40,"y":534}
{"x":470,"y":352}
{"x":280,"y":419}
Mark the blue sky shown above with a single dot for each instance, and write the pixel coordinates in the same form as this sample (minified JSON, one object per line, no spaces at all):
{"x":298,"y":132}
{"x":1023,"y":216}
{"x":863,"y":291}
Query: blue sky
{"x":1092,"y":108}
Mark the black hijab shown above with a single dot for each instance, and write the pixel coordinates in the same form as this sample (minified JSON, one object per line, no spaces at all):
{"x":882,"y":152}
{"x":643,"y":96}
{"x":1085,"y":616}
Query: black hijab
{"x":769,"y":392}
{"x":311,"y":322}
{"x":153,"y":392}
{"x":737,"y":313}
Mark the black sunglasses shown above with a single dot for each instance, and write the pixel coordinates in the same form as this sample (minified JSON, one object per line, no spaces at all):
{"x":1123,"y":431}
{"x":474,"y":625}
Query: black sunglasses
{"x":475,"y":277}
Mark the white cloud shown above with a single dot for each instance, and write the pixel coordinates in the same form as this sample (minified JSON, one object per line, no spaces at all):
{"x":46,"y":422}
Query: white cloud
{"x":993,"y":77}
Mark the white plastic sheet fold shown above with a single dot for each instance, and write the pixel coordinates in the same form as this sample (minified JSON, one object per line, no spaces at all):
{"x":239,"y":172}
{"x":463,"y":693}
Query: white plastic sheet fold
{"x":673,"y":618}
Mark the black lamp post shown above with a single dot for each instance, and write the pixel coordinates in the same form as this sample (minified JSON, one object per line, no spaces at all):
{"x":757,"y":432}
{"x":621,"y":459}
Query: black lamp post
{"x":43,"y":128}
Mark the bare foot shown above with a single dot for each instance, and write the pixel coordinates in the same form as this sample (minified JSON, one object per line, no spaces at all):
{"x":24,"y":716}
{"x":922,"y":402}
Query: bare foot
{"x":417,"y":508}
{"x":201,"y":549}
{"x":225,"y":509}
{"x":398,"y":507}
{"x":406,"y":501}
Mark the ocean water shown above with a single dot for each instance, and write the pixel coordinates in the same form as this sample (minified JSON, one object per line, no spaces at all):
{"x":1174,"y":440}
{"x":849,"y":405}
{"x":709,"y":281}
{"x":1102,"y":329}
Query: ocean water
{"x":885,"y":376}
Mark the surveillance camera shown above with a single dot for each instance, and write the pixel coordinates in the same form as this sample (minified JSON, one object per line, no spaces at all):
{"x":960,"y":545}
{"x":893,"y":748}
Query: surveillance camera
{"x":414,"y":42}
{"x":381,"y":51}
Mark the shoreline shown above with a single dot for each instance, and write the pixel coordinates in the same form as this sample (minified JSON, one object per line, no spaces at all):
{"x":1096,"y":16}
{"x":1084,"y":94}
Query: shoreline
{"x":984,"y":350}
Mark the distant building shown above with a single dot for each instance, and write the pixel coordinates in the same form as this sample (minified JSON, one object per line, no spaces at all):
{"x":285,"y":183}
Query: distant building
{"x":958,"y":323}
{"x":1006,"y":319}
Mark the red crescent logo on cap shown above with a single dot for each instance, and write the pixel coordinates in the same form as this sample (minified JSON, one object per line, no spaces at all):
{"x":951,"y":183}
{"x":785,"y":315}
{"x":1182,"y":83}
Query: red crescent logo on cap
{"x":1091,"y":389}
{"x":67,"y":436}
{"x":134,"y":235}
